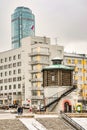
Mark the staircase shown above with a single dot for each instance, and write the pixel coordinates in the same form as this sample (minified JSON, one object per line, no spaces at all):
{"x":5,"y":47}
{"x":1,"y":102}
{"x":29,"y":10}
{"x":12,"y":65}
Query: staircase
{"x":52,"y":101}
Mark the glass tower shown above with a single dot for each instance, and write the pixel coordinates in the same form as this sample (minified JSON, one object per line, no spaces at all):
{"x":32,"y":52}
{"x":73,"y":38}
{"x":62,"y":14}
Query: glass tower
{"x":22,"y":25}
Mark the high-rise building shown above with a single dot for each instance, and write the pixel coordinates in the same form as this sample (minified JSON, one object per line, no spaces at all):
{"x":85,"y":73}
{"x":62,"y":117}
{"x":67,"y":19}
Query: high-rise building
{"x":22,"y":25}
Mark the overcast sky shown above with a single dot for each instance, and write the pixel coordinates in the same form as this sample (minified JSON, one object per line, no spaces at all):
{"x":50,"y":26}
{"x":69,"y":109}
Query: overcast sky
{"x":65,"y":20}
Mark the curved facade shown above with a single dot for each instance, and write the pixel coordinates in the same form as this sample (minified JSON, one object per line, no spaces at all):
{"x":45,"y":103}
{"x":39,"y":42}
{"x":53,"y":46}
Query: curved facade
{"x":22,"y":25}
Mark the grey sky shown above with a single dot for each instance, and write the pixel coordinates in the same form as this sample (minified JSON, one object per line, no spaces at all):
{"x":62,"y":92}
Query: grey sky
{"x":65,"y":20}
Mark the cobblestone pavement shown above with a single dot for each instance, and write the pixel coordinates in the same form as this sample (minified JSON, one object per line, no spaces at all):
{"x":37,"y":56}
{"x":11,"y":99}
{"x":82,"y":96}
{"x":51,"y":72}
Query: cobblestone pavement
{"x":55,"y":124}
{"x":11,"y":124}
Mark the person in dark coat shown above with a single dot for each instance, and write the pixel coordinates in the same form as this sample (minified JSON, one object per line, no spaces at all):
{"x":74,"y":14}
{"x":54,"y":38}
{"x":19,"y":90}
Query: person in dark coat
{"x":21,"y":110}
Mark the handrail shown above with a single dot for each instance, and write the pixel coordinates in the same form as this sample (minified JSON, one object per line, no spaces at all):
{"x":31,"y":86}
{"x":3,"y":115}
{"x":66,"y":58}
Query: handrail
{"x":56,"y":96}
{"x":72,"y":122}
{"x":56,"y":99}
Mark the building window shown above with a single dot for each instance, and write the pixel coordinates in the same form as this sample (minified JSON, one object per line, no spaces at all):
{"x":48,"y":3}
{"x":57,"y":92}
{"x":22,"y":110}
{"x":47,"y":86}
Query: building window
{"x":18,"y":63}
{"x":1,"y":81}
{"x":79,"y":61}
{"x":10,"y":93}
{"x":73,"y":61}
{"x":1,"y":88}
{"x":14,"y":79}
{"x":14,"y":71}
{"x":19,"y":71}
{"x":9,"y":86}
{"x":5,"y":66}
{"x":19,"y":86}
{"x":10,"y":66}
{"x":53,"y":78}
{"x":5,"y":59}
{"x":9,"y":58}
{"x":1,"y":74}
{"x":18,"y":78}
{"x":1,"y":67}
{"x":14,"y":86}
{"x":5,"y":80}
{"x":14,"y":93}
{"x":19,"y":93}
{"x":5,"y":87}
{"x":34,"y":93}
{"x":10,"y":72}
{"x":1,"y":60}
{"x":19,"y":56}
{"x":6,"y":73}
{"x":14,"y":64}
{"x":10,"y":80}
{"x":14,"y":57}
{"x":69,"y":61}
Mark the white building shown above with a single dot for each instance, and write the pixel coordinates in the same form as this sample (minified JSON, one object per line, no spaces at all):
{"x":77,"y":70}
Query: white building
{"x":20,"y":70}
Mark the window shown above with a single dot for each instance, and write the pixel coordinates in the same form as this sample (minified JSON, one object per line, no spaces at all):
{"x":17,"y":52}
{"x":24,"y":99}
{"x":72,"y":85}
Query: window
{"x":5,"y":94}
{"x":14,"y":64}
{"x":35,"y":42}
{"x":9,"y":86}
{"x":14,"y":93}
{"x":34,"y":93}
{"x":18,"y":63}
{"x":14,"y":71}
{"x":14,"y":79}
{"x":14,"y":86}
{"x":19,"y":85}
{"x":10,"y":66}
{"x":10,"y":80}
{"x":5,"y":73}
{"x":53,"y":78}
{"x":19,"y":93}
{"x":1,"y":88}
{"x":1,"y":60}
{"x":18,"y":78}
{"x":1,"y":67}
{"x":10,"y":72}
{"x":69,"y":61}
{"x":19,"y":56}
{"x":14,"y":57}
{"x":73,"y":61}
{"x":19,"y":71}
{"x":5,"y":87}
{"x":10,"y":94}
{"x":79,"y":61}
{"x":5,"y":80}
{"x":1,"y":81}
{"x":1,"y":74}
{"x":5,"y":59}
{"x":5,"y":66}
{"x":9,"y":58}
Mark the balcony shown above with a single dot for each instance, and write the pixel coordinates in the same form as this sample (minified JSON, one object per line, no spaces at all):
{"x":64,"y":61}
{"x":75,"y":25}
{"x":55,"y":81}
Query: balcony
{"x":39,"y":53}
{"x":39,"y":62}
{"x":35,"y":71}
{"x":36,"y":80}
{"x":3,"y":97}
{"x":37,"y":88}
{"x":37,"y":97}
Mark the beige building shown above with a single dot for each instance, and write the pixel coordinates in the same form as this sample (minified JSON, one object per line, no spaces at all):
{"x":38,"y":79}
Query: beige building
{"x":79,"y":61}
{"x":20,"y":70}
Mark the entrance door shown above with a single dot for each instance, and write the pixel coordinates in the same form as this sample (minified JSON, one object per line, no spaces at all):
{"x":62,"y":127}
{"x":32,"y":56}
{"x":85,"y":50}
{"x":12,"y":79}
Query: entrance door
{"x":67,"y":107}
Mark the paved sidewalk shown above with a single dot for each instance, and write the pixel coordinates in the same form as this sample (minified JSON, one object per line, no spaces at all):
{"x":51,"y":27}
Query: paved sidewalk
{"x":8,"y":121}
{"x":12,"y":124}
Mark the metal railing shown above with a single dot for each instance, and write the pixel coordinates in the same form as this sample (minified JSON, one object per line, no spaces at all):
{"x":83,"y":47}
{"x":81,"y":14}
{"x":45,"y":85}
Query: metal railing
{"x":72,"y":122}
{"x":56,"y":96}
